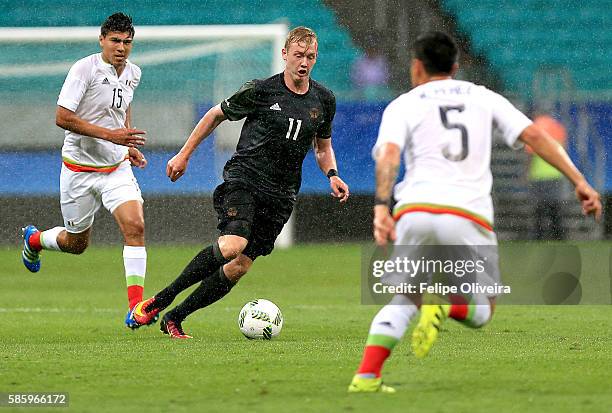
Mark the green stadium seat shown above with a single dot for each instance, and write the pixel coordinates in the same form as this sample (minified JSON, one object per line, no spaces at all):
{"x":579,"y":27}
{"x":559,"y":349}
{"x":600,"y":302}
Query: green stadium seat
{"x":517,"y":40}
{"x":336,"y":45}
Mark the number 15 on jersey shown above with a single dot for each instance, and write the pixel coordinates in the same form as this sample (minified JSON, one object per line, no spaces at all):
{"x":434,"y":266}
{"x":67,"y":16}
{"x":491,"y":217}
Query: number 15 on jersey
{"x":117,"y":98}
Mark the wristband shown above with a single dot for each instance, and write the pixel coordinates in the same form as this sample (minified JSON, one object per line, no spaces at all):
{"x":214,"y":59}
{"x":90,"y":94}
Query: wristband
{"x":380,"y":201}
{"x":332,"y":172}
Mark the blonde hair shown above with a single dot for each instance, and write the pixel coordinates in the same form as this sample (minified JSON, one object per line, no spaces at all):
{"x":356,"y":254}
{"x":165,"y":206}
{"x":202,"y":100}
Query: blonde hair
{"x":301,"y":34}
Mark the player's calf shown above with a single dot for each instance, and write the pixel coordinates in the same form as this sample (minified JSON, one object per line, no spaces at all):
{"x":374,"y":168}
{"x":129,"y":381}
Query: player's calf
{"x":34,"y":241}
{"x":210,"y":290}
{"x":386,"y":330}
{"x":239,"y":266}
{"x":204,"y":265}
{"x":75,"y":245}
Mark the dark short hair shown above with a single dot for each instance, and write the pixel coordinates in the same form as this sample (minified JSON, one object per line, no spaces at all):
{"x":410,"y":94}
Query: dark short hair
{"x":118,"y":22}
{"x":438,"y":52}
{"x":300,"y":34}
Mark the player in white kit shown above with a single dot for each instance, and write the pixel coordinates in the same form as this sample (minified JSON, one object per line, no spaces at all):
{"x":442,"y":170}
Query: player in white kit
{"x":443,"y":127}
{"x":98,"y":152}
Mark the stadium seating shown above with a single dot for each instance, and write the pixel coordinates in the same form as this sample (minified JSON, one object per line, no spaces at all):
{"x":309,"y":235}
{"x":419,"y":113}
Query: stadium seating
{"x":518,"y":40}
{"x":336,"y":48}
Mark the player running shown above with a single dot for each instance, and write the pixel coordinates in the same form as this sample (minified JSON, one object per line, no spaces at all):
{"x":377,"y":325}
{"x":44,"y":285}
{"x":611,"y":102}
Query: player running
{"x":100,"y":145}
{"x":443,"y":128}
{"x":286,"y":115}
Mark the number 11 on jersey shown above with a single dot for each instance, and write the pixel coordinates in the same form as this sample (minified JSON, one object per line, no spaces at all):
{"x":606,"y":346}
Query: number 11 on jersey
{"x":297,"y":128}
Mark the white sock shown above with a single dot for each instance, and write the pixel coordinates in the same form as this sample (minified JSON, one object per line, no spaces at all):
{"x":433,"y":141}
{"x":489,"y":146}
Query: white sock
{"x":479,"y":311}
{"x":48,"y":238}
{"x":135,"y":263}
{"x":480,"y":317}
{"x":392,"y":320}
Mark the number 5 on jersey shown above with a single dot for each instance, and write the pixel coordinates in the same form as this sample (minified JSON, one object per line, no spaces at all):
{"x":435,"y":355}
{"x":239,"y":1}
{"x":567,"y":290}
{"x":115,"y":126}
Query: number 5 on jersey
{"x":297,"y":128}
{"x":464,"y":134}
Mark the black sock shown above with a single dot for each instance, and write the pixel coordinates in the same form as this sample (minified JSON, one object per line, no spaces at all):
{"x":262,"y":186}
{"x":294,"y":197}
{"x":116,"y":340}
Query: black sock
{"x":210,"y":290}
{"x":201,"y":266}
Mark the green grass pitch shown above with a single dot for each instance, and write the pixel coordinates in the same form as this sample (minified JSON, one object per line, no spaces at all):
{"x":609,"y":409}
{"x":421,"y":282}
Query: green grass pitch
{"x":62,"y":330}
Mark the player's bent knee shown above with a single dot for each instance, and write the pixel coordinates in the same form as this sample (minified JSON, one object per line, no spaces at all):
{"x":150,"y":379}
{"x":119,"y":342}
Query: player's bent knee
{"x":231,"y":245}
{"x":236,"y":273}
{"x":241,"y":269}
{"x":134,"y":228}
{"x":237,"y":268}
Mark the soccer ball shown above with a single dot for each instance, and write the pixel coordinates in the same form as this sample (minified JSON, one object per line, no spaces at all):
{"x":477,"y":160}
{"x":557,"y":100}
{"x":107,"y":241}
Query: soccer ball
{"x":260,"y":319}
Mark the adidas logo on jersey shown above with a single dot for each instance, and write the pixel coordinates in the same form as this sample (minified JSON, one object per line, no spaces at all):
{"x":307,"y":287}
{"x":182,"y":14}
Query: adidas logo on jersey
{"x":275,"y":106}
{"x":105,"y":81}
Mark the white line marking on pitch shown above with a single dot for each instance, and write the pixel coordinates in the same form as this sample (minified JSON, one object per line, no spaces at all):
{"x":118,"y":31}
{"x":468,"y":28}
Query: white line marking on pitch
{"x":56,"y":310}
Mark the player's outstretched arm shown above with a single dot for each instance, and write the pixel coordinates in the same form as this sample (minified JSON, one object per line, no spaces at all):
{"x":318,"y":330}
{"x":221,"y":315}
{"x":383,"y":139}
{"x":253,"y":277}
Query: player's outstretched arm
{"x":387,"y":167}
{"x":326,"y":159}
{"x":67,"y":119}
{"x":553,"y":153}
{"x":178,"y":164}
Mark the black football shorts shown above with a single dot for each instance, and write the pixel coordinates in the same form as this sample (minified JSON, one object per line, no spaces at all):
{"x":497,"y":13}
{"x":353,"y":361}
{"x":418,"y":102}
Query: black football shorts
{"x":250,"y":214}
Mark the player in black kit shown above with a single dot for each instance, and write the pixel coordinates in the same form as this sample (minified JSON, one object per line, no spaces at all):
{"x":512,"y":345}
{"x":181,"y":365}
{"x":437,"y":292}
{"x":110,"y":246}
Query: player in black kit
{"x":286,"y":115}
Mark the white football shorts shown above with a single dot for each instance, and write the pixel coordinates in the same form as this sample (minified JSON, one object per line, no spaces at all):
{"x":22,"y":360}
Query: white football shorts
{"x":452,"y":237}
{"x":82,"y":194}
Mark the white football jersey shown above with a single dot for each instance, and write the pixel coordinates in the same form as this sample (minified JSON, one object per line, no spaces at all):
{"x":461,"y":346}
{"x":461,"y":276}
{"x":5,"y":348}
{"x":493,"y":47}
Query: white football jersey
{"x":444,"y":129}
{"x":94,"y":92}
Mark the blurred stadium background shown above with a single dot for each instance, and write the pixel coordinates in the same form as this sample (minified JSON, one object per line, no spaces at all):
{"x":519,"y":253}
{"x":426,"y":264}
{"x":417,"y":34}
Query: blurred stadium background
{"x":544,"y":55}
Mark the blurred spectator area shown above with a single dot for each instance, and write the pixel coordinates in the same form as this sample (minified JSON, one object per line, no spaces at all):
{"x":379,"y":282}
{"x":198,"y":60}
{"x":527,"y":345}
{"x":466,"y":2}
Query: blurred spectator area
{"x":336,"y":48}
{"x":543,"y":55}
{"x":520,"y":40}
{"x":504,"y":44}
{"x":370,"y":72}
{"x":391,"y":26}
{"x":177,"y":76}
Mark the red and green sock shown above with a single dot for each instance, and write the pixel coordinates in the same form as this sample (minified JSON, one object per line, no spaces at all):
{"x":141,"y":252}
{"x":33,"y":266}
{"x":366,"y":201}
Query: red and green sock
{"x":387,"y":329}
{"x":34,"y":241}
{"x":135,"y":263}
{"x":378,"y":348}
{"x":45,"y":240}
{"x":474,"y":314}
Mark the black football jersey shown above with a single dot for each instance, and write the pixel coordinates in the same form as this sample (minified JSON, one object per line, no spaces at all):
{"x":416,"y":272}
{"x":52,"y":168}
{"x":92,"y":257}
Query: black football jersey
{"x":277,"y":134}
